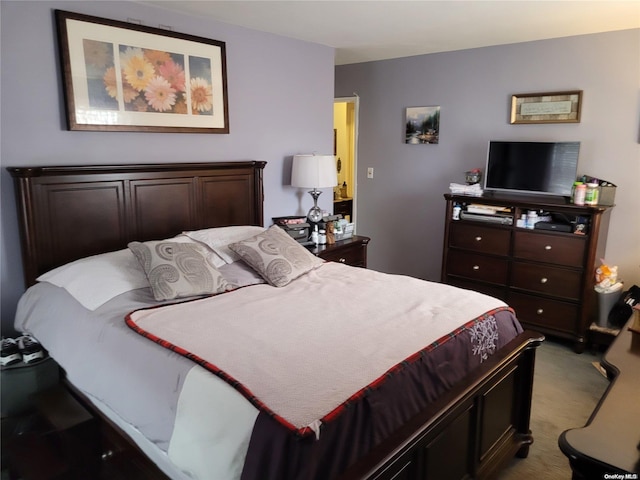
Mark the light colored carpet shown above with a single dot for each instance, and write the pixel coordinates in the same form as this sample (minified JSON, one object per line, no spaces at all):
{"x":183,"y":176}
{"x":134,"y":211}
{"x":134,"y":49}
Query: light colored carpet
{"x":566,"y":389}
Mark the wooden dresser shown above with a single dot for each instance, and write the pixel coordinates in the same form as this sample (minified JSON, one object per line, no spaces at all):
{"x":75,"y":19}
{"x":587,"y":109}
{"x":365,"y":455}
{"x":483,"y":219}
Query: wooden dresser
{"x":547,"y":276}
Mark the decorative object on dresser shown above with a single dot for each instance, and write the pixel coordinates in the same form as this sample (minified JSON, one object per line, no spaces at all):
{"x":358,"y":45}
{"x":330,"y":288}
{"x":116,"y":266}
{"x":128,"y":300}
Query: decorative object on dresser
{"x":546,"y":276}
{"x":314,"y":171}
{"x":165,"y":81}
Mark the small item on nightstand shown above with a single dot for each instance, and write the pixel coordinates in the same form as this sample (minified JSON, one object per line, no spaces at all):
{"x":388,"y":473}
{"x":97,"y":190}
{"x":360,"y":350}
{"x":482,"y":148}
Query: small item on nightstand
{"x":331,"y":238}
{"x":314,"y":235}
{"x":322,"y":237}
{"x":343,"y":190}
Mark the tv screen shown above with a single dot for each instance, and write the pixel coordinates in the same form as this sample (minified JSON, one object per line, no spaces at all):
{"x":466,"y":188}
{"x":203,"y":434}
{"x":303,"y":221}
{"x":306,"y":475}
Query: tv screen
{"x":532,"y":167}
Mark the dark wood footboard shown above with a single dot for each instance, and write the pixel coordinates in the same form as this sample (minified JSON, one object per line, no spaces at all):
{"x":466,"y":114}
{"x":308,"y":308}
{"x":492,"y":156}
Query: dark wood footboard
{"x":471,"y":432}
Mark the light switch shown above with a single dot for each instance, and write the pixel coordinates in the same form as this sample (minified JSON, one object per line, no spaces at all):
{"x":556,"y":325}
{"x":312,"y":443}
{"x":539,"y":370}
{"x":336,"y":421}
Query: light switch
{"x":370,"y":172}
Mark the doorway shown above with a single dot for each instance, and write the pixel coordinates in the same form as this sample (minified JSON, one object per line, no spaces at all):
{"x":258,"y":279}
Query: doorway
{"x":345,"y":129}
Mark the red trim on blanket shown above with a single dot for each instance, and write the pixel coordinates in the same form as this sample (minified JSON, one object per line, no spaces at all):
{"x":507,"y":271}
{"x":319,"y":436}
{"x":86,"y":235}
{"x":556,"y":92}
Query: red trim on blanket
{"x":256,"y":402}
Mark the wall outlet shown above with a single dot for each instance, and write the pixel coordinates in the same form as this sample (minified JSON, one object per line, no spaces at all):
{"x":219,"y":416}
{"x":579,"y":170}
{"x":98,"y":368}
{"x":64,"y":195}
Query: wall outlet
{"x":370,"y":172}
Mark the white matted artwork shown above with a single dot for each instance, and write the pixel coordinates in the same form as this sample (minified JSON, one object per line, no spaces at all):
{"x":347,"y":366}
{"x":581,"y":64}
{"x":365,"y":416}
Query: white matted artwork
{"x":422,"y":125}
{"x":124,"y":77}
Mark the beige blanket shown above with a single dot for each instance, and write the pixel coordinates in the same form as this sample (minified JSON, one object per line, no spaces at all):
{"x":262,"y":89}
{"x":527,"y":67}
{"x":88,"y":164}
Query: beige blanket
{"x":302,"y":350}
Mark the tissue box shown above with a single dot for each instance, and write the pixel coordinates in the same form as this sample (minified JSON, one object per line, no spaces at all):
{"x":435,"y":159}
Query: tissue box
{"x":607,"y":195}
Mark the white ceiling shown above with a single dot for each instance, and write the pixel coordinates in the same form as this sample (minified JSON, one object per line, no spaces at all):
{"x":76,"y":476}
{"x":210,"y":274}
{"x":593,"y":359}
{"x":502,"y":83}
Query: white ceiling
{"x":363,"y":31}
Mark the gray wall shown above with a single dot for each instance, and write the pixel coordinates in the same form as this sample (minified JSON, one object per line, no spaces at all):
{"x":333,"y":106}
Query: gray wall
{"x":280,"y":104}
{"x":402,"y":207}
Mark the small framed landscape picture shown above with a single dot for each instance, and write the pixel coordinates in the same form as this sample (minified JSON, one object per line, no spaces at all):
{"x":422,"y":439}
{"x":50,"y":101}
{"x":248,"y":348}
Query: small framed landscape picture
{"x":422,"y":125}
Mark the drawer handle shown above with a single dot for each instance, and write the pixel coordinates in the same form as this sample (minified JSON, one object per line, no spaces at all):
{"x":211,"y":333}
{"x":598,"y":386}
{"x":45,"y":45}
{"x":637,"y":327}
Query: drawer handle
{"x":342,"y":260}
{"x":547,"y":247}
{"x":478,"y":239}
{"x":107,"y":455}
{"x":476,"y":267}
{"x":544,"y":280}
{"x":540,"y":311}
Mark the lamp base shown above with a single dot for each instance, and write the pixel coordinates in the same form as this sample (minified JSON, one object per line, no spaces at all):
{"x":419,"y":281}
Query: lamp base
{"x":315,"y":214}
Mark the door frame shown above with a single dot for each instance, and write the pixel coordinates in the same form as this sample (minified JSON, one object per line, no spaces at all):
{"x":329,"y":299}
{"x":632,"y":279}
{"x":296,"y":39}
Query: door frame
{"x":355,"y":100}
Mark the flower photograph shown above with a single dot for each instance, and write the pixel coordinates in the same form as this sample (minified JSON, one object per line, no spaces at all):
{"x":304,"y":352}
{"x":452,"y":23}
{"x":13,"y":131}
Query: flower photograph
{"x":147,"y":80}
{"x":123,"y":78}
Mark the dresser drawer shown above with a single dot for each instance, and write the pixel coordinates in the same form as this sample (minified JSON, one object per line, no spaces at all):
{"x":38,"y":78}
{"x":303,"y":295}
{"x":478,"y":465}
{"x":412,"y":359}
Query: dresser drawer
{"x":556,"y":249}
{"x":479,"y":239}
{"x":554,"y":281}
{"x":478,"y":267}
{"x":354,"y":255}
{"x":544,"y":312}
{"x":496,"y":291}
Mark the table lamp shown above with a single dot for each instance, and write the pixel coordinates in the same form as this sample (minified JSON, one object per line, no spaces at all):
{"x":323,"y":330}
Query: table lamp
{"x":314,"y":171}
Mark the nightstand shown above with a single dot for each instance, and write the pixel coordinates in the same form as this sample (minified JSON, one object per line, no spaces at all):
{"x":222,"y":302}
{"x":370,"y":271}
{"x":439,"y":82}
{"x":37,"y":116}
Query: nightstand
{"x":59,"y":441}
{"x":22,"y":380}
{"x":351,"y":251}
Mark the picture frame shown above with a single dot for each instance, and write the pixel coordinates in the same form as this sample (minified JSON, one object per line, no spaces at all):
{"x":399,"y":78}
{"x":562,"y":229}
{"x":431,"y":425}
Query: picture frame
{"x":124,"y":77}
{"x":422,"y":125}
{"x":552,"y":107}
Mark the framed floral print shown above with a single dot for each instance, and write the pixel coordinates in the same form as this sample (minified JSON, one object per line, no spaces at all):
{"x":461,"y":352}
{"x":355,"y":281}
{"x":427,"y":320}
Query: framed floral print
{"x":125,"y":77}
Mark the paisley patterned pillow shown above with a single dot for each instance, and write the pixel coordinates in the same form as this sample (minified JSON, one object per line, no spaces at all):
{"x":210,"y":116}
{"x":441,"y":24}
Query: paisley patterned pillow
{"x":177,"y":270}
{"x":276,"y":256}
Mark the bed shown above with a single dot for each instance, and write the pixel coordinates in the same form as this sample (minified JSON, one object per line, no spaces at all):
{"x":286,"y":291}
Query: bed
{"x":417,"y":413}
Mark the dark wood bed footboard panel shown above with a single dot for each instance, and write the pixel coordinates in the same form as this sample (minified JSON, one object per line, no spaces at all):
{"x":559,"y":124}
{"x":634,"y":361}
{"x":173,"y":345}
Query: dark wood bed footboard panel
{"x":471,"y":432}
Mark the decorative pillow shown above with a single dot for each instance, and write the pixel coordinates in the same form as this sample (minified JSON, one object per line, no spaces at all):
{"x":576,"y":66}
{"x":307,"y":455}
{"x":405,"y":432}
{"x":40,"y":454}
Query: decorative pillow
{"x":177,"y":270}
{"x":276,"y":256}
{"x":219,"y":238}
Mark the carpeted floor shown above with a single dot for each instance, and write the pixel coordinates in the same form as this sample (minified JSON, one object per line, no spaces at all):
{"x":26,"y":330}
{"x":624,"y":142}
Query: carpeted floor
{"x":566,"y":389}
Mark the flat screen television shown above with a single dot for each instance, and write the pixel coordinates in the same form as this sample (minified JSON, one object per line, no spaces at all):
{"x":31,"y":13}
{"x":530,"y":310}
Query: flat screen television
{"x":547,"y":168}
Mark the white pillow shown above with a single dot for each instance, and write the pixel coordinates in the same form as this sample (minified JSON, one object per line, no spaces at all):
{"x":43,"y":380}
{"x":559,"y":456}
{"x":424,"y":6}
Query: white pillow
{"x":92,"y":281}
{"x":218,"y":239}
{"x":95,"y":280}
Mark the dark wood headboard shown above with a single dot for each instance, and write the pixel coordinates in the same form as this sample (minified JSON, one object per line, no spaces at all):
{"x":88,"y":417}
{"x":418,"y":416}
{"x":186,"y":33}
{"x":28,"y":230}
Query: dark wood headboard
{"x":67,"y":213}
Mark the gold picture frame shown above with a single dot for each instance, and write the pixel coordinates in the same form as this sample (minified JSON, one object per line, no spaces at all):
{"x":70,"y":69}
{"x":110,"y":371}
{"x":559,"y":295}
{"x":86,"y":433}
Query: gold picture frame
{"x":551,"y":107}
{"x":124,"y":77}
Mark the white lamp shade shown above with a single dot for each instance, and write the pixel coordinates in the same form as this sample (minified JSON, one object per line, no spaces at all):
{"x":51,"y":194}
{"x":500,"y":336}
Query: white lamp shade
{"x":314,"y":171}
